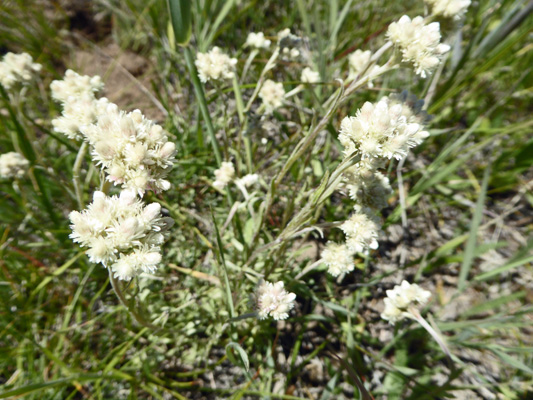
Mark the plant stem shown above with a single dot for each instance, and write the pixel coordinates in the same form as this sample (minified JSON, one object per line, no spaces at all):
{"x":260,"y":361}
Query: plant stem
{"x":118,"y":291}
{"x":200,"y":96}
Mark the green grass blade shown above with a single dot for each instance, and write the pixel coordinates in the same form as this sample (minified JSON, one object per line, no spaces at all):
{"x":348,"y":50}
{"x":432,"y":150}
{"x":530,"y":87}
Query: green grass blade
{"x":470,"y":248}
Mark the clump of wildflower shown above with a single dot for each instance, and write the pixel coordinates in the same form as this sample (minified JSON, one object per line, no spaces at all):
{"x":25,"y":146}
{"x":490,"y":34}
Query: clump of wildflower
{"x":257,"y":40}
{"x":272,"y":300}
{"x":133,"y":150}
{"x":361,"y":231}
{"x":272,"y":94}
{"x":215,"y":65}
{"x":402,"y":299}
{"x":358,"y":62}
{"x":248,"y":180}
{"x":385,"y":129}
{"x":310,"y":76}
{"x":121,"y":233}
{"x":76,"y":93}
{"x":419,"y":43}
{"x":224,"y":175}
{"x":75,"y":85}
{"x":289,"y":44}
{"x":17,"y":68}
{"x":338,"y":258}
{"x":368,"y":187}
{"x":77,"y":112}
{"x":449,"y":8}
{"x":13,"y":165}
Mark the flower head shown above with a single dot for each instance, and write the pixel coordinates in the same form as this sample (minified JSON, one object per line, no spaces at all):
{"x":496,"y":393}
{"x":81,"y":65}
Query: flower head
{"x":272,"y":94}
{"x":361,"y":231}
{"x":215,"y":65}
{"x":17,"y":68}
{"x":310,"y":76}
{"x":257,"y":40}
{"x":368,"y":187}
{"x":13,"y":165}
{"x":249,"y":180}
{"x":385,"y":129}
{"x":272,"y":300}
{"x":224,"y":175}
{"x":401,"y":299}
{"x":133,"y":150}
{"x":121,"y":233}
{"x":289,"y":44}
{"x":75,"y":86}
{"x":419,"y":43}
{"x":338,"y":258}
{"x":77,"y":112}
{"x":358,"y":62}
{"x":449,"y":8}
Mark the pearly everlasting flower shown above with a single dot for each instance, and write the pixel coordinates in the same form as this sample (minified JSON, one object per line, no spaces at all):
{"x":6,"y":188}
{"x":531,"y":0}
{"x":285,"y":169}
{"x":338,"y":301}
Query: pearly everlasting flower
{"x":75,"y":86}
{"x":215,"y":65}
{"x":133,"y":150}
{"x":289,"y":44}
{"x":401,"y":299}
{"x":249,"y":180}
{"x":77,"y":112}
{"x":338,"y":258}
{"x":17,"y":68}
{"x":358,"y":62}
{"x":224,"y":175}
{"x":368,"y":187}
{"x":257,"y":40}
{"x":121,"y":233}
{"x":449,"y":8}
{"x":310,"y":76}
{"x":361,"y":231}
{"x":419,"y":43}
{"x":385,"y":129}
{"x":272,"y":94}
{"x":13,"y":165}
{"x":272,"y":300}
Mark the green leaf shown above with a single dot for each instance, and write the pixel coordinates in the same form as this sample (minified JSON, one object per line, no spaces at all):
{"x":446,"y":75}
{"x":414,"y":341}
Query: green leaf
{"x":242,"y":354}
{"x":180,"y":15}
{"x":470,"y":248}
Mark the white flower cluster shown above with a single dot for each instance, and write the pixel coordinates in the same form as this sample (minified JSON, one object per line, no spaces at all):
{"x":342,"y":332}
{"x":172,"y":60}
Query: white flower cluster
{"x":386,"y":129}
{"x":449,"y":8}
{"x":215,"y":65}
{"x":77,"y":112}
{"x":76,"y":93}
{"x":257,"y":40}
{"x":361,"y":231}
{"x":121,"y":233}
{"x":272,"y":300}
{"x":224,"y":175}
{"x":358,"y":61}
{"x":289,"y":44}
{"x":133,"y":150}
{"x":419,"y":43}
{"x":338,"y":258}
{"x":401,"y":299}
{"x":310,"y":76}
{"x":13,"y":165}
{"x":17,"y":68}
{"x":272,"y":94}
{"x":367,"y":186}
{"x":75,"y":85}
{"x":247,"y":180}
